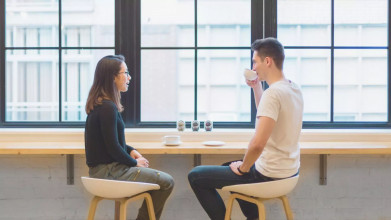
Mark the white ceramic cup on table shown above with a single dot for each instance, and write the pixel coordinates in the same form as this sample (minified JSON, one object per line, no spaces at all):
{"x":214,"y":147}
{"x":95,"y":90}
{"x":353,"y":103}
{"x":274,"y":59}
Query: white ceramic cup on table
{"x":250,"y":74}
{"x":172,"y":140}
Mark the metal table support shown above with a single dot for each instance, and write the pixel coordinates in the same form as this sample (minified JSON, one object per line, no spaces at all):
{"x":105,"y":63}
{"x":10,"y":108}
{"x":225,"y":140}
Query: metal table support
{"x":70,"y":169}
{"x":197,"y":160}
{"x":323,"y":169}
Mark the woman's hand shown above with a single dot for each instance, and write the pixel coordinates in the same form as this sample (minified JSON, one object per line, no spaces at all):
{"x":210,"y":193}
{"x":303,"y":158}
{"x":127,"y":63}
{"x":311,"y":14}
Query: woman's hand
{"x":142,"y":162}
{"x":135,"y":154}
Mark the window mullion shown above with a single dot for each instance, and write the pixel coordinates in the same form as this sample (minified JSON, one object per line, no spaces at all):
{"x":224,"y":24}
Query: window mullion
{"x":2,"y":62}
{"x":195,"y":59}
{"x":257,"y":32}
{"x":332,"y":65}
{"x":59,"y":60}
{"x":389,"y":63}
{"x":127,"y":35}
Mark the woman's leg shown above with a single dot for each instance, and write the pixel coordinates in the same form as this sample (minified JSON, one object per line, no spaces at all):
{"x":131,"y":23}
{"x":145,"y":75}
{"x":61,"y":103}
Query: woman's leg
{"x":118,"y":171}
{"x":159,"y":197}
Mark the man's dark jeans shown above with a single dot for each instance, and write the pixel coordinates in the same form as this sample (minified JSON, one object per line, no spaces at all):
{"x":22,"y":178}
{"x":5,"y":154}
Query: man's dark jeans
{"x":204,"y":181}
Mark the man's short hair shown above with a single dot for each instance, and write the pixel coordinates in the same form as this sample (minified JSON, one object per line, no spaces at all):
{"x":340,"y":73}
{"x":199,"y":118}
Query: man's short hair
{"x":270,"y":47}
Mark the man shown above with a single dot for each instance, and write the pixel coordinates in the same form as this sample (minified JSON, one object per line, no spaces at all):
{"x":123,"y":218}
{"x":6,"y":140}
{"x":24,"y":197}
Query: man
{"x":273,"y":152}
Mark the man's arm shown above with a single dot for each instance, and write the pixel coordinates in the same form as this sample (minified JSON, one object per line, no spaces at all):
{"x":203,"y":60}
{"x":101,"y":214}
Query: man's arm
{"x":257,"y":89}
{"x":263,"y":131}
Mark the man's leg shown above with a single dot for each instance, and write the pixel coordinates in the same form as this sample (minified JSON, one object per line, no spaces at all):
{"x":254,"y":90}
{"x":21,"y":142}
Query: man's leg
{"x":204,"y":180}
{"x":250,"y":210}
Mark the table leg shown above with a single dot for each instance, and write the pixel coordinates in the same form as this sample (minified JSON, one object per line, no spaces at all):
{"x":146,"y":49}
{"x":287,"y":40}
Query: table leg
{"x":197,"y":160}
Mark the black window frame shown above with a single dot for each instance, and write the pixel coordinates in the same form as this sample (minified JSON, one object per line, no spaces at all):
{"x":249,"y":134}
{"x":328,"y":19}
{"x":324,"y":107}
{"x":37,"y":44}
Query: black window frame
{"x":59,"y":48}
{"x":128,"y":43}
{"x":271,"y":19}
{"x":132,"y":99}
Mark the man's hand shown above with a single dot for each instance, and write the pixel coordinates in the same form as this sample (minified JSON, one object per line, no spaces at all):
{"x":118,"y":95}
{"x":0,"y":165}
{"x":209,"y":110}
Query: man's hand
{"x":257,"y":89}
{"x":234,"y":167}
{"x":254,"y":83}
{"x":135,"y":154}
{"x":142,"y":162}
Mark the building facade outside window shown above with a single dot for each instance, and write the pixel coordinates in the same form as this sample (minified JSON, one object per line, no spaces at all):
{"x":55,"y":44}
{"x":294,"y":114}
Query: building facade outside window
{"x":34,"y":52}
{"x":191,"y":55}
{"x":353,"y":49}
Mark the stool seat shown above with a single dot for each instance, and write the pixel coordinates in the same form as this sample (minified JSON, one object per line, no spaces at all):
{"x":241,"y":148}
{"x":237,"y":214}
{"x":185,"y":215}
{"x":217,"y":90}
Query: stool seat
{"x":266,"y":190}
{"x":122,"y":192}
{"x":113,"y":189}
{"x":258,"y":192}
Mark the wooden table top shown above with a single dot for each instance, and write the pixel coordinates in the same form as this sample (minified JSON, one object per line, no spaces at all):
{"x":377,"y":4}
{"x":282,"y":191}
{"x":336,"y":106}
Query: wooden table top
{"x":196,"y":148}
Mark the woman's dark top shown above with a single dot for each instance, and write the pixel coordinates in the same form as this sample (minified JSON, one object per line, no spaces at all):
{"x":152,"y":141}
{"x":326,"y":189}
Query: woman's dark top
{"x":105,"y":137}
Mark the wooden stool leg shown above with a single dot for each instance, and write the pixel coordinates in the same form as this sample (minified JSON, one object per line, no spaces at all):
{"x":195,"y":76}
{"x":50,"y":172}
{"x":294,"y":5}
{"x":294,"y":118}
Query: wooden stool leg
{"x":116,"y":210}
{"x":151,"y":211}
{"x":261,"y":210}
{"x":256,"y":201}
{"x":122,"y":209}
{"x":287,"y":208}
{"x":229,"y":207}
{"x":93,"y":205}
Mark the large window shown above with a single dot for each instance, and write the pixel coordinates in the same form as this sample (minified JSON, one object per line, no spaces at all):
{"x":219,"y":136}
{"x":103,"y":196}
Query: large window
{"x":49,"y":70}
{"x":337,"y":50}
{"x":192,"y":57}
{"x":186,"y":58}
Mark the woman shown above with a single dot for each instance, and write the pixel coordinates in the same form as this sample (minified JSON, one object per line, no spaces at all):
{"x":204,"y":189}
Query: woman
{"x":107,"y":155}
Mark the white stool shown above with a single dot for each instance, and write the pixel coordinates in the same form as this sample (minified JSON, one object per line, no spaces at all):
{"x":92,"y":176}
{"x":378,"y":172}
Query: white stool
{"x":121,"y":191}
{"x":258,"y":192}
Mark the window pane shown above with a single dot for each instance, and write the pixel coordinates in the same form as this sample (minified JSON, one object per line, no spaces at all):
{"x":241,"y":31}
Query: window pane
{"x":304,"y":22}
{"x":167,"y":85}
{"x":167,"y":23}
{"x":223,"y":94}
{"x":88,"y":23}
{"x":32,"y":85}
{"x":354,"y":29}
{"x":310,"y":69}
{"x":360,"y":85}
{"x":224,"y":23}
{"x":31,"y":23}
{"x":78,"y":69}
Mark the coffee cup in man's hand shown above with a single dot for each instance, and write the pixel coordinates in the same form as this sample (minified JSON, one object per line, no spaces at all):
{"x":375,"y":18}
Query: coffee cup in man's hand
{"x":249,"y":74}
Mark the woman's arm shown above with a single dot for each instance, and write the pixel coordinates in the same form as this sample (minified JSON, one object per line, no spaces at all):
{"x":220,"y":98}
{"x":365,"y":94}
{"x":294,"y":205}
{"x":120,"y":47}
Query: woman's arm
{"x":108,"y":119}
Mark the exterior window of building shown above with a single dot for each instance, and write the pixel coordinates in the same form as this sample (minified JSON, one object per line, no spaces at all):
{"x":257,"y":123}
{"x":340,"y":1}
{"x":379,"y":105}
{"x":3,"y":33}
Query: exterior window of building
{"x":48,"y":77}
{"x":186,"y":58}
{"x":192,"y":60}
{"x":337,"y":52}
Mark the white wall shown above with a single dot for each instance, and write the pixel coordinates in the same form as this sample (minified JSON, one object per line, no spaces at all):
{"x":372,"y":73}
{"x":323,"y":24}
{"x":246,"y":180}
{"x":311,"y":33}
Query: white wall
{"x":34,"y":187}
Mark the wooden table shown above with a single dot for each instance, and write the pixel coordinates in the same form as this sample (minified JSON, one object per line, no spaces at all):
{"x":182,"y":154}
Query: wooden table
{"x":196,"y":148}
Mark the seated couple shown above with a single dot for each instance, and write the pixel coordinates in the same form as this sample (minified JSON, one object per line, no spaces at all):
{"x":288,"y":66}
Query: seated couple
{"x":273,"y":152}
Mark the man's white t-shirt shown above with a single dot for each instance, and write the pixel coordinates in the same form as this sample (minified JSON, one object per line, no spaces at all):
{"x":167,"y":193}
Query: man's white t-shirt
{"x":282,"y":102}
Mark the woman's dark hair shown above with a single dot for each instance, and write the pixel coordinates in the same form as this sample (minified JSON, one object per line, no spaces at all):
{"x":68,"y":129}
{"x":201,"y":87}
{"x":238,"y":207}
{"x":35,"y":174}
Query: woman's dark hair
{"x":103,"y":86}
{"x":270,"y":47}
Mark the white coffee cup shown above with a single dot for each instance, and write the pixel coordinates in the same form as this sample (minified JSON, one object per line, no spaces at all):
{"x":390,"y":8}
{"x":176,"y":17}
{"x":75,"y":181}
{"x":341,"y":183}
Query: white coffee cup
{"x":172,"y":140}
{"x":249,"y":74}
